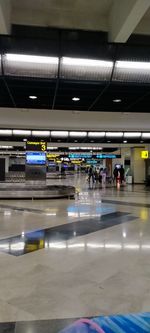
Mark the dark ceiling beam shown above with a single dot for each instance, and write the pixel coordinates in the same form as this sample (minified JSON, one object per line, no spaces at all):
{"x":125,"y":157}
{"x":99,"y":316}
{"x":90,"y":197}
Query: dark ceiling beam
{"x":140,"y":99}
{"x":104,"y":90}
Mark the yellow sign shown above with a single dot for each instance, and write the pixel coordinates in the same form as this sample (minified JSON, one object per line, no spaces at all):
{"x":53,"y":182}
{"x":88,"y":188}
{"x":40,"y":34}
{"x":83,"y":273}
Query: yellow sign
{"x":144,"y":154}
{"x":51,"y":156}
{"x":36,"y":145}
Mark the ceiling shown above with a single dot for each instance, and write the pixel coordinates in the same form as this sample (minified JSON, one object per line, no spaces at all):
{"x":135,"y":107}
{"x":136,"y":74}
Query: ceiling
{"x":64,"y":5}
{"x":73,"y":120}
{"x":81,"y":29}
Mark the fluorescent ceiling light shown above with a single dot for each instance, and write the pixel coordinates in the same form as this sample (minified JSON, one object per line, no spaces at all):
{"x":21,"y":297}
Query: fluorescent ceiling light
{"x":74,"y":148}
{"x":145,"y":135}
{"x":125,"y":141}
{"x":96,"y":134}
{"x":132,"y":134}
{"x":41,"y":133}
{"x":33,"y":97}
{"x":75,"y":99}
{"x":78,"y":134}
{"x":86,"y":62}
{"x":6,"y":147}
{"x":22,"y":132}
{"x":114,"y":134}
{"x":5,"y":132}
{"x":59,"y":134}
{"x":31,"y":59}
{"x":117,"y":100}
{"x":132,"y":65}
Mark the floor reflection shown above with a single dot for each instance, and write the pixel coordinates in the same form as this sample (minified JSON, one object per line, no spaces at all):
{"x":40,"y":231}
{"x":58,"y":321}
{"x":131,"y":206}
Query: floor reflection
{"x":53,"y":237}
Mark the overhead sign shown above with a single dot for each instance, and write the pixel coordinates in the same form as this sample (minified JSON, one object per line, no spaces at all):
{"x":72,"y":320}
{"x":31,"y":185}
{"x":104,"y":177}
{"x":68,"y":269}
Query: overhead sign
{"x":144,"y":154}
{"x":80,"y":155}
{"x":91,"y":162}
{"x":52,"y":156}
{"x":108,"y":156}
{"x":36,"y":146}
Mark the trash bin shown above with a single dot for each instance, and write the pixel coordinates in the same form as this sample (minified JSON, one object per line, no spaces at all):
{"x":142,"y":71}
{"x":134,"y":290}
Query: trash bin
{"x":129,"y":180}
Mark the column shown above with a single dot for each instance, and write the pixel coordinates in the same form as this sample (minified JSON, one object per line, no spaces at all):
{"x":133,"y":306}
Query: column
{"x":138,"y":166}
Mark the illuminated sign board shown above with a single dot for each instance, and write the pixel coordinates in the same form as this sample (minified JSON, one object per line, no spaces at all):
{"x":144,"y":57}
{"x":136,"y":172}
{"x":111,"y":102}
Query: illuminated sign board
{"x":36,"y":146}
{"x":108,"y":156}
{"x":91,"y":161}
{"x":144,"y":154}
{"x":35,"y":158}
{"x":52,"y":156}
{"x":80,"y":155}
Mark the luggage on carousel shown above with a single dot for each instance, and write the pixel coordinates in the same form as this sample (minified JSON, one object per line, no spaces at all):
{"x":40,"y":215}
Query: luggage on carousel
{"x":131,"y":323}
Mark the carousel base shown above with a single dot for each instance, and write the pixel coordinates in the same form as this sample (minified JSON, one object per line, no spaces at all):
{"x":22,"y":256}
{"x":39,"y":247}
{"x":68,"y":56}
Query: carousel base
{"x":35,"y":191}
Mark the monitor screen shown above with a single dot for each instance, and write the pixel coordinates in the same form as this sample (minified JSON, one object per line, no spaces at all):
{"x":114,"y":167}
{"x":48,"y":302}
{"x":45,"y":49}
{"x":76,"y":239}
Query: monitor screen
{"x":36,"y":158}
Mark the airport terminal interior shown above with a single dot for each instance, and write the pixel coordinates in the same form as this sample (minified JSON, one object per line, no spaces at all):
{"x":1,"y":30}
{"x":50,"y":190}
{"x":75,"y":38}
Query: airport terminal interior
{"x":74,"y":166}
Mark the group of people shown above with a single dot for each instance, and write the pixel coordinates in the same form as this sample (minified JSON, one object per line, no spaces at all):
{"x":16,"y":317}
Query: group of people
{"x":119,"y":175}
{"x":97,"y":175}
{"x":100,"y":175}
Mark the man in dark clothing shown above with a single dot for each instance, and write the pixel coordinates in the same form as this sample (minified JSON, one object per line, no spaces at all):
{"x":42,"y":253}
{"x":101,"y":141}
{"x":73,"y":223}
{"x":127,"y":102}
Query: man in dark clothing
{"x":91,"y":174}
{"x":121,"y":174}
{"x":115,"y":173}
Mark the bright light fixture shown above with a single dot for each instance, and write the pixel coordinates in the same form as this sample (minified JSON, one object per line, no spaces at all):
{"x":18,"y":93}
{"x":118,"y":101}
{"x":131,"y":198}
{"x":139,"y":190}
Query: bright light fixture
{"x":52,"y":148}
{"x":132,"y":64}
{"x":86,"y":62}
{"x":31,"y":59}
{"x":5,"y":132}
{"x":41,"y":133}
{"x":146,"y":135}
{"x":114,"y":134}
{"x":6,"y":147}
{"x":22,"y":132}
{"x":59,"y":134}
{"x":78,"y":134}
{"x":75,"y":99}
{"x":117,"y":100}
{"x":96,"y":134}
{"x":125,"y":141}
{"x":132,"y":134}
{"x":33,"y":97}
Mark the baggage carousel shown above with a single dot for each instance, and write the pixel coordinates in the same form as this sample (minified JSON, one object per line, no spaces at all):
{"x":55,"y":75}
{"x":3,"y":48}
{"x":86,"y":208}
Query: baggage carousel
{"x":28,"y":191}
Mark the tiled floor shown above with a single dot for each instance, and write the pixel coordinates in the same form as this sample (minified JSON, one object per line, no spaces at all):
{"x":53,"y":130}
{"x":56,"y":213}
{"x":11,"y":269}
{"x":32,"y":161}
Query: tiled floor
{"x":97,"y":261}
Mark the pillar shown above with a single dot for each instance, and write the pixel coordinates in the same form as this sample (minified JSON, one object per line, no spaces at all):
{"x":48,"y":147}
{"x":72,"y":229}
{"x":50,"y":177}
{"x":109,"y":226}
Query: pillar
{"x":138,"y":166}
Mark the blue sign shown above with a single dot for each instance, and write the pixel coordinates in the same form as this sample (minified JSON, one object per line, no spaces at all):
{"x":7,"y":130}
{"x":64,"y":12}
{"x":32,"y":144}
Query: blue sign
{"x":108,"y":156}
{"x":78,"y":155}
{"x":91,"y":162}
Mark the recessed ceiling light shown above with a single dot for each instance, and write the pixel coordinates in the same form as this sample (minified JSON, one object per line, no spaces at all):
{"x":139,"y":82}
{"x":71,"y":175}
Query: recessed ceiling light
{"x":141,"y":141}
{"x":75,"y":99}
{"x":125,"y":141}
{"x":33,"y":97}
{"x":108,"y":141}
{"x":117,"y":100}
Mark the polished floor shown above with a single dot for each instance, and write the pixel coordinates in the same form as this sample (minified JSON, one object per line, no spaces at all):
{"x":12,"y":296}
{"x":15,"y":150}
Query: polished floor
{"x":66,"y":259}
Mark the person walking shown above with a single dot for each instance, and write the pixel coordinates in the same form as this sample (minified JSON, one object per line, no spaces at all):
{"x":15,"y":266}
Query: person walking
{"x":121,"y":174}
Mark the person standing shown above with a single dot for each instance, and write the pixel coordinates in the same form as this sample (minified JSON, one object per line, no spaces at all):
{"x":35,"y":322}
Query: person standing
{"x":121,"y":174}
{"x":115,"y":173}
{"x":91,"y":174}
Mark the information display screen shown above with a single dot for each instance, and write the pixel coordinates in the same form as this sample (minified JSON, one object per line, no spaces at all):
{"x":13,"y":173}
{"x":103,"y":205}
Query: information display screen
{"x":35,"y":158}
